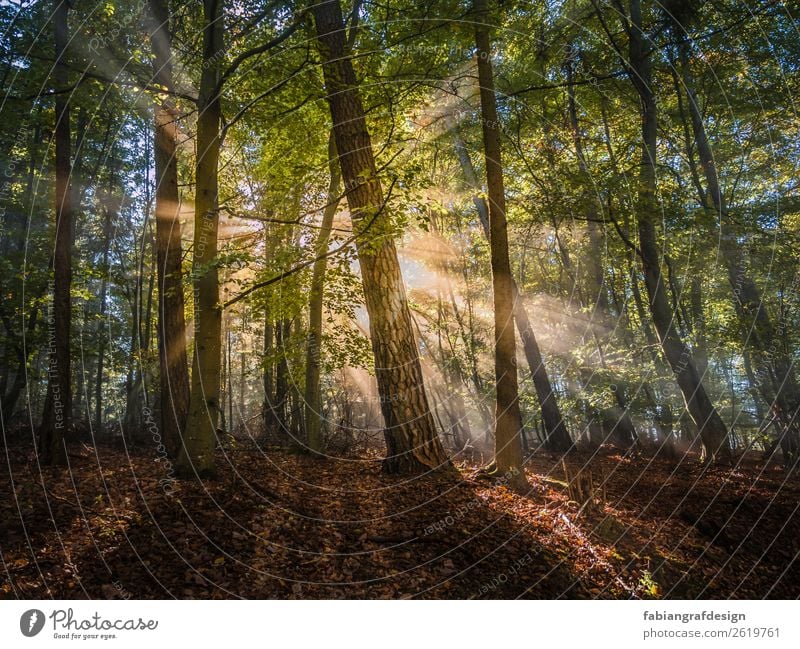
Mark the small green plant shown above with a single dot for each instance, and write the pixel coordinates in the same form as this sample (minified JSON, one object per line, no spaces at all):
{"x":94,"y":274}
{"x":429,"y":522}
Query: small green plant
{"x":648,"y":585}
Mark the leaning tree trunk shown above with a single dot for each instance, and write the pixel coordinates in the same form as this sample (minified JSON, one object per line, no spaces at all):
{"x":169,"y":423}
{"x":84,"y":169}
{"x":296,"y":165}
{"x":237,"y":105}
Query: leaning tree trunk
{"x":410,"y":433}
{"x":173,"y":365}
{"x":508,"y":419}
{"x":774,"y":371}
{"x":313,"y":402}
{"x":557,"y":437}
{"x":58,"y":401}
{"x":199,"y":439}
{"x":713,"y":431}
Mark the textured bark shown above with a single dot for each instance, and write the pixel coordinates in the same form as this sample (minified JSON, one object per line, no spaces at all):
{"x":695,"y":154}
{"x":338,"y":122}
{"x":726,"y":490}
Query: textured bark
{"x":713,"y":431}
{"x":508,"y":419}
{"x":557,"y":437}
{"x":199,"y":439}
{"x":58,"y":401}
{"x":173,"y":364}
{"x":313,"y":403}
{"x":410,"y":433}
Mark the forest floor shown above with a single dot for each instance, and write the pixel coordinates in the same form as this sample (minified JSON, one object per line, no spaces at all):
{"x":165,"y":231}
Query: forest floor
{"x":281,"y":525}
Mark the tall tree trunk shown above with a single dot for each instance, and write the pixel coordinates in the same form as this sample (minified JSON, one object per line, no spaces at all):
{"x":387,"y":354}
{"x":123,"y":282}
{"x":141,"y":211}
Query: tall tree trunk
{"x":713,"y":431}
{"x":411,"y":439}
{"x":557,"y":437}
{"x":8,"y":402}
{"x":58,"y":402}
{"x":774,"y":371}
{"x":508,"y":419}
{"x":268,"y":410}
{"x":280,"y":403}
{"x":242,"y":389}
{"x":199,"y":439}
{"x":313,"y":403}
{"x":698,"y":324}
{"x":296,"y":411}
{"x":110,"y":210}
{"x":172,"y":359}
{"x":228,"y":374}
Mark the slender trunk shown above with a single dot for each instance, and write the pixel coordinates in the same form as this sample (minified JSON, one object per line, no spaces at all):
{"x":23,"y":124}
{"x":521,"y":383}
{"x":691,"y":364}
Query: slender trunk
{"x":10,"y":399}
{"x":58,"y":402}
{"x":101,"y":333}
{"x":172,"y":359}
{"x":712,"y":429}
{"x":200,"y":434}
{"x":6,"y":368}
{"x":242,"y":387}
{"x":596,"y":272}
{"x":313,"y":404}
{"x":280,"y":403}
{"x":296,"y":396}
{"x":508,"y":420}
{"x":697,"y":324}
{"x":268,"y":410}
{"x":774,"y":371}
{"x":557,"y":437}
{"x":467,"y":332}
{"x":411,"y":439}
{"x":229,"y":376}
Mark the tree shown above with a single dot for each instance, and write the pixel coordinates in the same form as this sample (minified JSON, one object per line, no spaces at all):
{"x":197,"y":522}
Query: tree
{"x":411,"y":440}
{"x":313,"y":402}
{"x":774,"y":372}
{"x":712,"y":429}
{"x":508,"y":419}
{"x":199,"y":440}
{"x":173,"y":367}
{"x":58,"y":402}
{"x":557,"y":436}
{"x":598,"y":294}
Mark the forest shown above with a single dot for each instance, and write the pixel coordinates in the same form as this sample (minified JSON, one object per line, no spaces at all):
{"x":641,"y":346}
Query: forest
{"x":384,"y":299}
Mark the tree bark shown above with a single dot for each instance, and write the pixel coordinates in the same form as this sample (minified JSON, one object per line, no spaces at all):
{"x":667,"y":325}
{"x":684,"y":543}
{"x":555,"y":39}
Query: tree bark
{"x":172,"y":359}
{"x":557,"y":437}
{"x":58,"y":401}
{"x":713,"y":431}
{"x":313,"y":403}
{"x":200,"y":435}
{"x":508,"y":419}
{"x":411,"y":439}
